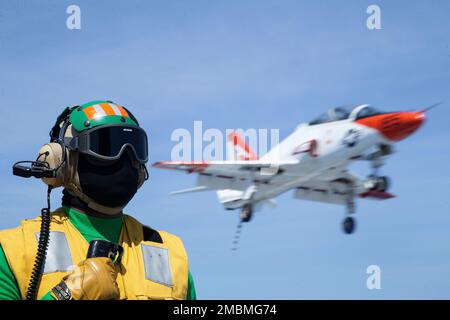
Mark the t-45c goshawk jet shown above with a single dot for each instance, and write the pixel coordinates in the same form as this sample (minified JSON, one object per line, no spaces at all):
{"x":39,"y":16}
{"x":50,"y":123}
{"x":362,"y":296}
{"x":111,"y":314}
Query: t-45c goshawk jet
{"x":312,"y":161}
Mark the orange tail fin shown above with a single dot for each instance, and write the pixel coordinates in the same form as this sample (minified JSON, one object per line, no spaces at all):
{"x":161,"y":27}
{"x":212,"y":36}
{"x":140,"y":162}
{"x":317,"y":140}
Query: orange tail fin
{"x":239,"y":150}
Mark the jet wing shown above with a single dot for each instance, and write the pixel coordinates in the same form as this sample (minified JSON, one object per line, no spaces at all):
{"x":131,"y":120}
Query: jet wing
{"x":234,"y":175}
{"x":228,"y":169}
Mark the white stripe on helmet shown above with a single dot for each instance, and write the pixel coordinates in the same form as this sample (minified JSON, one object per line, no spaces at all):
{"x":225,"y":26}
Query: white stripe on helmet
{"x":99,"y":112}
{"x":116,"y":109}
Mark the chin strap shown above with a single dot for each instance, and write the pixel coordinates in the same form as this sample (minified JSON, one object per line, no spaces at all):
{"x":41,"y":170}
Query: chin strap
{"x":76,"y":192}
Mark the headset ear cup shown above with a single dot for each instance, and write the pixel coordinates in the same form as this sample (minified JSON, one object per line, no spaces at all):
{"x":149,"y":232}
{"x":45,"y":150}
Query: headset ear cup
{"x":52,"y":154}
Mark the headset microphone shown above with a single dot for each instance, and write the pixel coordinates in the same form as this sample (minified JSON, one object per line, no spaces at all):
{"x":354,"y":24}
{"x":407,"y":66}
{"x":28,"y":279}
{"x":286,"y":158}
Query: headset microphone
{"x":35,"y":169}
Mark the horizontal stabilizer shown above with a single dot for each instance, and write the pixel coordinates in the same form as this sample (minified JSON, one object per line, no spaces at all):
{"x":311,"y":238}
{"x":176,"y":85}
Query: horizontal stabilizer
{"x":271,"y":203}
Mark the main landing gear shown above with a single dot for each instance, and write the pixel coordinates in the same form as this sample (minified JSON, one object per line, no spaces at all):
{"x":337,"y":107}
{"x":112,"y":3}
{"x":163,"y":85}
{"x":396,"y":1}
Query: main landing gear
{"x":246,"y":213}
{"x":349,"y":225}
{"x":245,"y":216}
{"x":373,"y":183}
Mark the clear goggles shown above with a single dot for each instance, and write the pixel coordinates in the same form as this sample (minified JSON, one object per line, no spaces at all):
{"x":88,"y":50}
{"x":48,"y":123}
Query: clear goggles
{"x":108,"y":143}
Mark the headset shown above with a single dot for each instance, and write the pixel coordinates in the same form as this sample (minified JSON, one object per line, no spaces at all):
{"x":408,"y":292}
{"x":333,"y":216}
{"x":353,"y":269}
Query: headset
{"x":54,"y":155}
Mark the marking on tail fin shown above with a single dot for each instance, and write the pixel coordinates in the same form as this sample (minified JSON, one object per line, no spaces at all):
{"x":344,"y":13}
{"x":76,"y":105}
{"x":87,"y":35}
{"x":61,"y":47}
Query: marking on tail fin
{"x":240,"y":148}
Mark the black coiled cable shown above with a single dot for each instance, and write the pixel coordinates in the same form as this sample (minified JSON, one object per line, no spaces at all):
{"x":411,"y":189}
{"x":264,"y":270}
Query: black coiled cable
{"x":39,"y":262}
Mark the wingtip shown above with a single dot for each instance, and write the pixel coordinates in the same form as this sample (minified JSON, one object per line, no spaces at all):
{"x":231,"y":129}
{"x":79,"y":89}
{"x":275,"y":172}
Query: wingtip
{"x":156,"y":164}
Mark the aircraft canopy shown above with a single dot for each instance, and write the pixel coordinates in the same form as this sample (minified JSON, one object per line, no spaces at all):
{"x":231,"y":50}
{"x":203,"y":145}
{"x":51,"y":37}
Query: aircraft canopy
{"x":344,"y":112}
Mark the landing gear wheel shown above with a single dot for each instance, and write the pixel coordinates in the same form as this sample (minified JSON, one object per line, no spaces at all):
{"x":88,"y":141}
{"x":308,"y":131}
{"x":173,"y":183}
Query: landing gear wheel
{"x":349,"y":225}
{"x":246,"y":213}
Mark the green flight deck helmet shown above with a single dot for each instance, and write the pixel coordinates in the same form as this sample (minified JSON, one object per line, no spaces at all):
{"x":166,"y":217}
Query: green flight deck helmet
{"x":101,"y":130}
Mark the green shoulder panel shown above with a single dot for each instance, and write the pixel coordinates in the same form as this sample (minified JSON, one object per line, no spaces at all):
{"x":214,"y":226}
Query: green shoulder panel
{"x":98,"y":113}
{"x":9,"y":289}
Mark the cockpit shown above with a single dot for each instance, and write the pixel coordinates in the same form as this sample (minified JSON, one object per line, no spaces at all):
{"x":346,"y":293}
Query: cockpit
{"x":345,"y":112}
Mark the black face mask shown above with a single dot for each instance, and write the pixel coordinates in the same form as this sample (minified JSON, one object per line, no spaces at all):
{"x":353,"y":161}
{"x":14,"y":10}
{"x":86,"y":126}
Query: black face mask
{"x":111,"y":184}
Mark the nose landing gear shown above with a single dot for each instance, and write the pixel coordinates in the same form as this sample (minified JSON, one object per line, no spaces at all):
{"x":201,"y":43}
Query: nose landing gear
{"x":373,"y":183}
{"x":349,"y":223}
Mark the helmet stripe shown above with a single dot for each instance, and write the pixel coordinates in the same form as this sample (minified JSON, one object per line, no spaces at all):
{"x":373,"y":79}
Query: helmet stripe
{"x":105,"y":109}
{"x":89,"y":112}
{"x":108,"y":109}
{"x":99,"y":112}
{"x":116,"y":109}
{"x":123,"y":112}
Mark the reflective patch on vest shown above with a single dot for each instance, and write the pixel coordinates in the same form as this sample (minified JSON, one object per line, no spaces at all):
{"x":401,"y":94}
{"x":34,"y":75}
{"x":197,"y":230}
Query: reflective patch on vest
{"x":156,"y":263}
{"x":59,"y":258}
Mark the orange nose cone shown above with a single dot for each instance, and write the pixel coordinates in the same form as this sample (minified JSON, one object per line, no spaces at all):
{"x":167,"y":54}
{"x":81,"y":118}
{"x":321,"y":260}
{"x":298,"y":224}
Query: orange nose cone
{"x":395,"y":126}
{"x":409,"y":122}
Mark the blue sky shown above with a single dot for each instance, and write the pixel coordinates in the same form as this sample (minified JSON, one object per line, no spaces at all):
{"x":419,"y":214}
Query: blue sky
{"x":248,"y":64}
